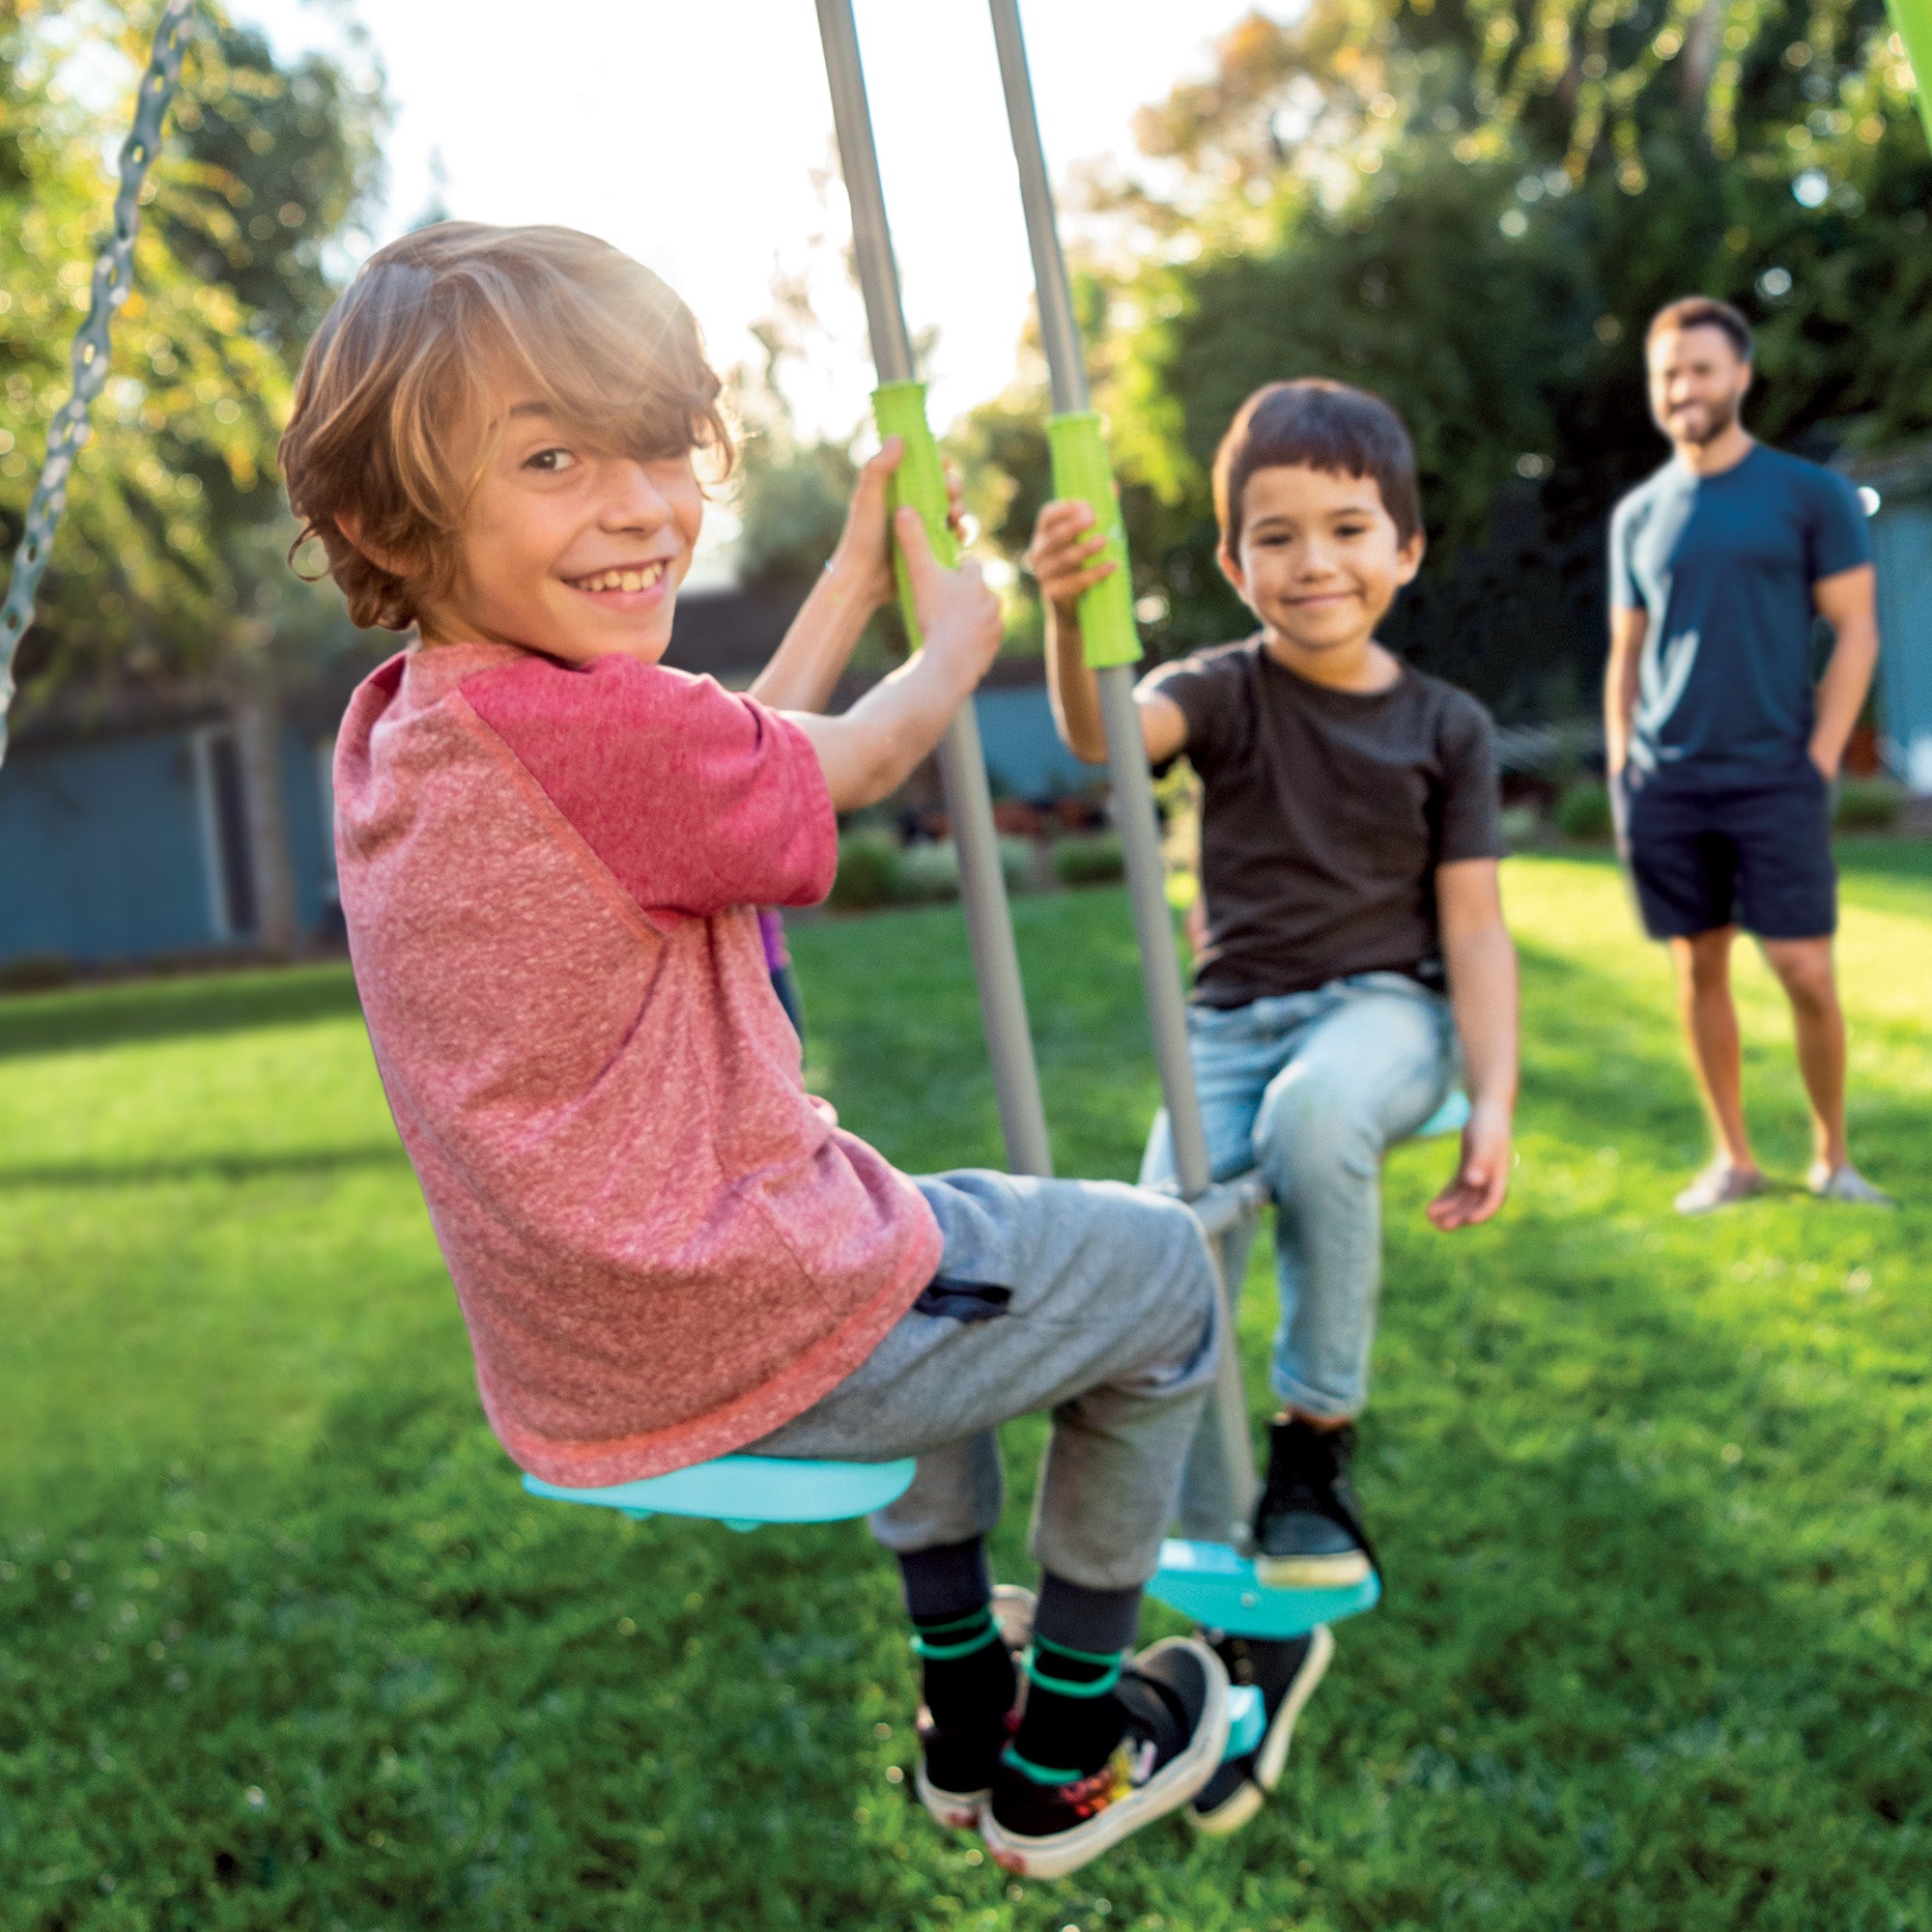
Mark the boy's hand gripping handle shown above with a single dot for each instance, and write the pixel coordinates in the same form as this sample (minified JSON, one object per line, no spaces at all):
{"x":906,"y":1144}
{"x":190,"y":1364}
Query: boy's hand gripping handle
{"x":1081,"y":473}
{"x":899,"y":409}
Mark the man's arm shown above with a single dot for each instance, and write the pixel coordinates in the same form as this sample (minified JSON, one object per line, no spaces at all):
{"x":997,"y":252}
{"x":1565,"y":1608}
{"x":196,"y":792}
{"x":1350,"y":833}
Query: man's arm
{"x":1481,"y":963}
{"x":1061,"y":557}
{"x":1849,"y":602}
{"x":1628,"y":630}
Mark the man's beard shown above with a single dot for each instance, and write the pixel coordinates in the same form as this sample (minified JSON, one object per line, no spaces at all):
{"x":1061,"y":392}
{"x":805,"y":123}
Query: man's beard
{"x":1718,"y":417}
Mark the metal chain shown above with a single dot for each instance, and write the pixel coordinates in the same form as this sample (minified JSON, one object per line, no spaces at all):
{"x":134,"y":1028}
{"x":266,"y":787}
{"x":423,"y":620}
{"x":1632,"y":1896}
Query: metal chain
{"x":113,"y":278}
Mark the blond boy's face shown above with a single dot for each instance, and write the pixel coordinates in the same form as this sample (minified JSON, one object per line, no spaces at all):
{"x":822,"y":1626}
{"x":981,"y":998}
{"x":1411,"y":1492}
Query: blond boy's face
{"x":1320,"y":560}
{"x":568,"y":549}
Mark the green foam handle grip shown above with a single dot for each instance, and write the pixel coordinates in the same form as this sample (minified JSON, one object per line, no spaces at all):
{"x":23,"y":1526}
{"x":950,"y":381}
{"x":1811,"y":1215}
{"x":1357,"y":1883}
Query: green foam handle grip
{"x":1914,"y":20}
{"x":1081,"y":472}
{"x":899,"y":409}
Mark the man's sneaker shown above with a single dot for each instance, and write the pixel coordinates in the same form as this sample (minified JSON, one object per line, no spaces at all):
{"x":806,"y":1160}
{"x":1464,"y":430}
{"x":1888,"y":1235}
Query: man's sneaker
{"x":1308,"y":1531}
{"x":1286,"y":1673}
{"x":1175,"y":1695}
{"x":1846,"y":1184}
{"x":1720,"y":1185}
{"x":956,"y":1767}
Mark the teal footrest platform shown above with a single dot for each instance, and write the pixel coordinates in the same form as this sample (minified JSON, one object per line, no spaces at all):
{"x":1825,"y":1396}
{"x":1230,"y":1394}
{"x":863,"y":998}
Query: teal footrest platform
{"x":1247,"y":1721}
{"x":747,"y":1490}
{"x":1218,"y":1588}
{"x":1451,"y":1118}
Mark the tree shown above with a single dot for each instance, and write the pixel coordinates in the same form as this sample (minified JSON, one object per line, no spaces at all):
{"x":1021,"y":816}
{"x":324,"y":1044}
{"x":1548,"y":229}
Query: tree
{"x":159,"y":559}
{"x":1473,"y":207}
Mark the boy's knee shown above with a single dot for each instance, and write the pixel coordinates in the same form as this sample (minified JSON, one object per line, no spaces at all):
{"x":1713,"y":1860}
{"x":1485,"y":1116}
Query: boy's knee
{"x":1317,"y":1124}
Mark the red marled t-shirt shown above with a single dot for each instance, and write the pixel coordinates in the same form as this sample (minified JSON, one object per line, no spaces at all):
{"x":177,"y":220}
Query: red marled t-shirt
{"x":664,"y":1248}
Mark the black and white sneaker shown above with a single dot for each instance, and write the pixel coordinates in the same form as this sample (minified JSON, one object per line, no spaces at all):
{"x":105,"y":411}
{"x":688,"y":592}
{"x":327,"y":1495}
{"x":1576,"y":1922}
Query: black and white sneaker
{"x":955,"y":1766}
{"x":1175,"y":1699}
{"x":1308,"y":1529}
{"x":1285,"y":1672}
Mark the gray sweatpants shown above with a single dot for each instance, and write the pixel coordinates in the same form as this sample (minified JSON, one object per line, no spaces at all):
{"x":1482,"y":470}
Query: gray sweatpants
{"x":1086,"y":1297}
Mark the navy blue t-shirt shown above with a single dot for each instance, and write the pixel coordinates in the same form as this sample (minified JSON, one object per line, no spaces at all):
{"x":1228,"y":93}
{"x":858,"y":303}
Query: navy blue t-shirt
{"x":1724,"y":567}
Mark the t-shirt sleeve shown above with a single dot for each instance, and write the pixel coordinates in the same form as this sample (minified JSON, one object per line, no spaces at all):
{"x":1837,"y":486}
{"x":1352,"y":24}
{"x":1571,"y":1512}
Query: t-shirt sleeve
{"x":1471,"y":823}
{"x":1207,"y":688}
{"x":1838,"y":536}
{"x":1624,"y":593}
{"x":694,"y":798}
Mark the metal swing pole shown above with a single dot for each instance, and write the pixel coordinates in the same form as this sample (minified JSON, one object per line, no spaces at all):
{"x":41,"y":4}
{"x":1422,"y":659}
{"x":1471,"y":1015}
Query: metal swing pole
{"x":1112,"y":647}
{"x":900,"y":406}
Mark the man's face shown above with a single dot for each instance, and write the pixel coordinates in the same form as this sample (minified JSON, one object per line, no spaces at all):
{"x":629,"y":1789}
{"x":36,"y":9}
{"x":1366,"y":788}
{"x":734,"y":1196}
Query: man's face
{"x":1320,"y":560}
{"x":1697,"y":381}
{"x":570,"y":548}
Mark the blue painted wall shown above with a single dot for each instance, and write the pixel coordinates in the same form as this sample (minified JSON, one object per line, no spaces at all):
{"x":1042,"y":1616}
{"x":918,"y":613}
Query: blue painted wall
{"x":1023,"y":754}
{"x":1902,"y":542}
{"x":101,"y":851}
{"x":102,"y":858}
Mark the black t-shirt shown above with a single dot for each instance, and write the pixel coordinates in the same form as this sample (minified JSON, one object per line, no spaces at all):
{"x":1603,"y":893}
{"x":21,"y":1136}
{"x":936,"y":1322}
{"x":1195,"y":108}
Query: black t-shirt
{"x":1326,"y":815}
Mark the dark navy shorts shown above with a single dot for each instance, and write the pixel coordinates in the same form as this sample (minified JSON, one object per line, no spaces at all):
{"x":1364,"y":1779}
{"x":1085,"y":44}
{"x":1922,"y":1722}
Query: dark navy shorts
{"x":1756,"y":854}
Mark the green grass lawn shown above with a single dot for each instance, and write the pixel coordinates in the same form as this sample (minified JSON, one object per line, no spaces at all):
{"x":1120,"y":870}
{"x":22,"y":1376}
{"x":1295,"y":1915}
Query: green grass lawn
{"x":283,"y":1645}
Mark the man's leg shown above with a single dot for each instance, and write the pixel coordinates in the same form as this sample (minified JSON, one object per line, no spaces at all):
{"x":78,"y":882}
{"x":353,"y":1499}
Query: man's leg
{"x":1710,"y":1017}
{"x":1804,"y":968}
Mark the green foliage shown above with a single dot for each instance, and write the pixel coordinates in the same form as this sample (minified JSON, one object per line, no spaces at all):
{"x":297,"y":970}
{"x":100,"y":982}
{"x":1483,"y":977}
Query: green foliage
{"x":1583,"y":812}
{"x":161,"y":553}
{"x":870,"y":869}
{"x":1869,"y":805}
{"x":1474,"y":210}
{"x":283,"y":1645}
{"x":1097,"y":859}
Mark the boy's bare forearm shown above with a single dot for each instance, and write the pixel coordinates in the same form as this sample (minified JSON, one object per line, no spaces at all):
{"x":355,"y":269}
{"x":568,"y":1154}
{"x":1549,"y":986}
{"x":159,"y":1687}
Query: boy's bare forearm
{"x":818,"y":646}
{"x":1072,"y":690}
{"x":1482,"y":970}
{"x":869,"y":752}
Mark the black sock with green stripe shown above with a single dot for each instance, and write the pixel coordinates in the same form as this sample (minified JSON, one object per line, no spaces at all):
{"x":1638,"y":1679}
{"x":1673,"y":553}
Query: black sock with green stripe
{"x":1072,"y":1721}
{"x":967,"y":1671}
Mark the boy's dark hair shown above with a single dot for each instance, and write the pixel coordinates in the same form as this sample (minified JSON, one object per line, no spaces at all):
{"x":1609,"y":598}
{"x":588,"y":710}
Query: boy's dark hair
{"x":1315,"y":424}
{"x":1702,"y":312}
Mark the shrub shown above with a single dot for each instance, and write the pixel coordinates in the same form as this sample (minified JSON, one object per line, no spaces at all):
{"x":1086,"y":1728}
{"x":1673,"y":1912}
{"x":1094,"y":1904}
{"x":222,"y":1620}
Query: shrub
{"x":1523,"y":826}
{"x":1868,"y":805}
{"x":1088,"y":862}
{"x":870,"y":870}
{"x":36,"y":973}
{"x":1583,"y":812}
{"x":929,"y":871}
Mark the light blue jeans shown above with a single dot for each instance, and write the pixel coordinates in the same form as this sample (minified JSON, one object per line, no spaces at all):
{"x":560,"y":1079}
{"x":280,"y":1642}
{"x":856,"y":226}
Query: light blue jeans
{"x":1310,"y":1089}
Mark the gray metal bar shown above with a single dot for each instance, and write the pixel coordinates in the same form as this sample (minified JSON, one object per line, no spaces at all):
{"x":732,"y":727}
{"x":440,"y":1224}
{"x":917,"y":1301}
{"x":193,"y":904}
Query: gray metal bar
{"x":1222,"y":1483}
{"x":1060,"y":332}
{"x":969,"y":805}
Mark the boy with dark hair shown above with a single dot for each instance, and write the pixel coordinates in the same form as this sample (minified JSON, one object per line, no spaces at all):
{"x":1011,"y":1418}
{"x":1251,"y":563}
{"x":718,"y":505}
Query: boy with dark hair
{"x":1353,"y":930}
{"x":551,"y":847}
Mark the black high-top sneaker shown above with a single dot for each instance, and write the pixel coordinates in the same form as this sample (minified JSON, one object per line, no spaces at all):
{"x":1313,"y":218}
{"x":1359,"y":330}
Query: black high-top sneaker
{"x":1284,"y":1671}
{"x":1308,"y":1529}
{"x":955,"y":1763}
{"x":1172,"y":1706}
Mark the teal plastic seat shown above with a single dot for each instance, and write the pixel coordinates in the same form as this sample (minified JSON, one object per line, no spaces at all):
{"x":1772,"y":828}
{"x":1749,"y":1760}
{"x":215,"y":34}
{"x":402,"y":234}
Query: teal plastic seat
{"x":744,"y":1492}
{"x":1451,"y":1118}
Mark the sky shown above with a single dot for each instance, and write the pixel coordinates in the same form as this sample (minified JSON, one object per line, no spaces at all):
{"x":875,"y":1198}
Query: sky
{"x":698,"y":137}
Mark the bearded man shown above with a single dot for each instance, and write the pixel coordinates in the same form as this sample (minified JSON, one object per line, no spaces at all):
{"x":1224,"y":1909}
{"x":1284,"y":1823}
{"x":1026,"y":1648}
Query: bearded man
{"x":1721,"y":756}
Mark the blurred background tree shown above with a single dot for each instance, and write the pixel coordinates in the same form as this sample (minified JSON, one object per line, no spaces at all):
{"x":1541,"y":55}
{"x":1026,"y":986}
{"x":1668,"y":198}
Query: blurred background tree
{"x":169,"y":560}
{"x":1473,"y":207}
